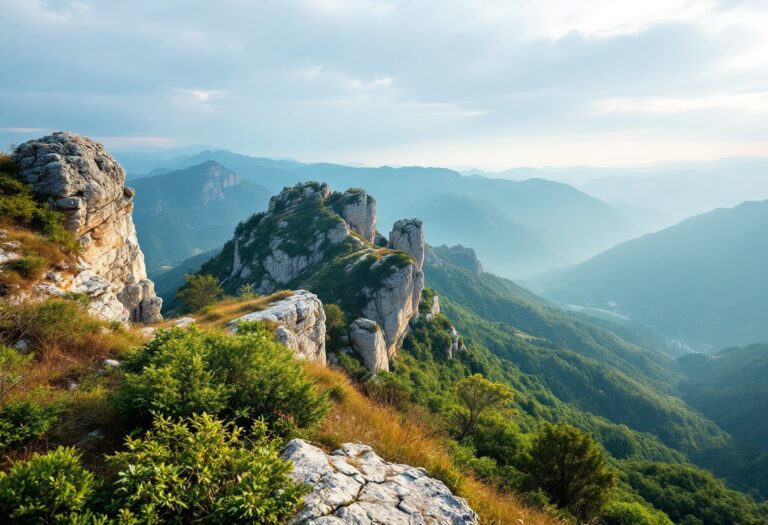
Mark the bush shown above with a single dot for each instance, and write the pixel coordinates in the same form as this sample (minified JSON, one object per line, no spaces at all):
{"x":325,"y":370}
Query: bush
{"x":11,"y":365}
{"x":199,"y":291}
{"x":49,"y":488}
{"x":203,"y":470}
{"x":22,"y":422}
{"x":625,"y":513}
{"x":29,"y":266}
{"x":335,"y":327}
{"x":569,"y":466}
{"x":245,"y":377}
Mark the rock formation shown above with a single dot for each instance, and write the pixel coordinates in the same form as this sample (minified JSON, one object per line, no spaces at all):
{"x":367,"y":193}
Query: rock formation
{"x":80,"y":179}
{"x":369,"y":342}
{"x":300,"y":324}
{"x":312,"y":238}
{"x":457,"y":255}
{"x":359,"y":210}
{"x":353,"y":485}
{"x":407,"y":236}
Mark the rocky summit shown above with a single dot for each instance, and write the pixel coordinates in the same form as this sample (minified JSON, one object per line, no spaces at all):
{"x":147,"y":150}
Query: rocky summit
{"x":326,"y":242}
{"x":80,"y":179}
{"x":354,"y":485}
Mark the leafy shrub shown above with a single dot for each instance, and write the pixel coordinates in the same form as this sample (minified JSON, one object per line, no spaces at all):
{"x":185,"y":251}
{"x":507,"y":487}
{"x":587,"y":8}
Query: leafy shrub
{"x":199,"y":291}
{"x":11,"y":365}
{"x":203,"y":470}
{"x":353,"y":366}
{"x":626,"y":513}
{"x":49,"y":488}
{"x":29,"y":266}
{"x":389,"y":389}
{"x":476,"y":395}
{"x":24,"y":421}
{"x":335,"y":327}
{"x":247,"y":376}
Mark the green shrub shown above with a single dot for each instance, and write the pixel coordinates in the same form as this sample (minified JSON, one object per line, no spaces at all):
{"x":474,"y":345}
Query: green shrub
{"x":335,"y":327}
{"x":11,"y":365}
{"x":199,"y":291}
{"x":29,"y":266}
{"x":245,"y":377}
{"x":203,"y":471}
{"x":22,"y":422}
{"x":353,"y":366}
{"x":49,"y":488}
{"x":626,"y":513}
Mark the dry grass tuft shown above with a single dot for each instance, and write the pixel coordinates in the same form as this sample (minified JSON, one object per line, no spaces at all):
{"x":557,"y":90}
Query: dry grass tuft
{"x":223,"y":312}
{"x":355,"y":418}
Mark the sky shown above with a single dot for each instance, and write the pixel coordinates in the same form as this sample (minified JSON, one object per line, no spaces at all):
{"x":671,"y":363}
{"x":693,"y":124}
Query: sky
{"x":491,"y":84}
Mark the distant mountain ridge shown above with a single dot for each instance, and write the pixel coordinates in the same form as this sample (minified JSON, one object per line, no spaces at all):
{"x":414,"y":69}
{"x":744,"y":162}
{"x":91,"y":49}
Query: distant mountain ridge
{"x":703,"y":280}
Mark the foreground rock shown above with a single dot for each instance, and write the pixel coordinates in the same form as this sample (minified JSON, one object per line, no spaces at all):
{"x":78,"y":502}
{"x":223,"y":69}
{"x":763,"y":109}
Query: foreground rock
{"x":354,"y":485}
{"x":299,"y":324}
{"x":368,"y":341}
{"x":77,"y":177}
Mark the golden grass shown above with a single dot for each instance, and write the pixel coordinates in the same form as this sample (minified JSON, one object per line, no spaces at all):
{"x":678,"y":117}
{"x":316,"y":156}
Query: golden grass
{"x":34,"y":244}
{"x":355,"y":418}
{"x":219,"y":315}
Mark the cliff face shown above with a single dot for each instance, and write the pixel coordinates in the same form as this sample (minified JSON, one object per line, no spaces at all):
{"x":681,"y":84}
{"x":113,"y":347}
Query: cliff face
{"x":77,"y":177}
{"x":322,"y":241}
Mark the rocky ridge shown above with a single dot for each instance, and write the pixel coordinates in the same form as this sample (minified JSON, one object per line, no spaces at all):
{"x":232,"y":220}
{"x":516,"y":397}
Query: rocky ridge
{"x":80,"y":179}
{"x":354,"y":485}
{"x":312,"y":238}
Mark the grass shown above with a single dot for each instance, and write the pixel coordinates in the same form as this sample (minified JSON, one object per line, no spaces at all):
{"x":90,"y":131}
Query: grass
{"x":355,"y":418}
{"x":220,"y":314}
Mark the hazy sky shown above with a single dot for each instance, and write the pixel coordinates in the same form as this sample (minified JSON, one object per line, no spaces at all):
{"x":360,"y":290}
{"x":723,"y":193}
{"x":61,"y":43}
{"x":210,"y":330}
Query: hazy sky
{"x":494,"y":83}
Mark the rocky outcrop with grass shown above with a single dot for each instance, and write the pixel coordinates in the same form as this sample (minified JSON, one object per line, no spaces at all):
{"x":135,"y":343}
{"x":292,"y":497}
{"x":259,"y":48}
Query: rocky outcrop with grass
{"x":353,"y":485}
{"x":299,"y":322}
{"x":315,"y":239}
{"x":82,"y":181}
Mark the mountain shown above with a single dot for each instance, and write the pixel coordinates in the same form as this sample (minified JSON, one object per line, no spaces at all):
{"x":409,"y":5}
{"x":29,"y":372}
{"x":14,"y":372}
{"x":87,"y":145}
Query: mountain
{"x":190,"y":211}
{"x":543,"y":224}
{"x":702,"y":281}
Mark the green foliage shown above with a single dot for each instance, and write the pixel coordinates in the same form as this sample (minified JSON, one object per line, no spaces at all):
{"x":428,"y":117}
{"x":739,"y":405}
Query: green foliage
{"x":353,"y":366}
{"x":49,"y":488}
{"x":21,"y":422}
{"x":690,"y":495}
{"x":570,"y":467}
{"x":476,"y":396}
{"x":247,"y":291}
{"x":244,"y":377}
{"x":203,"y":471}
{"x":28,"y":266}
{"x":199,"y":291}
{"x":632,"y":513}
{"x":389,"y":389}
{"x":335,"y":327}
{"x":19,"y":207}
{"x":11,"y":365}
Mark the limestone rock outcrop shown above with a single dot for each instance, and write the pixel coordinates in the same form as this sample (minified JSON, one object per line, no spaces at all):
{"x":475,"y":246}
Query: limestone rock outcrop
{"x":407,"y":236}
{"x":326,"y":242}
{"x":358,"y":209}
{"x":353,"y":485}
{"x":299,"y":321}
{"x":369,"y":342}
{"x":79,"y":178}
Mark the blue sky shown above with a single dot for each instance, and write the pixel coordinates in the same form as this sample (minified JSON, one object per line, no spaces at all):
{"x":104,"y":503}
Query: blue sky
{"x":490,"y":84}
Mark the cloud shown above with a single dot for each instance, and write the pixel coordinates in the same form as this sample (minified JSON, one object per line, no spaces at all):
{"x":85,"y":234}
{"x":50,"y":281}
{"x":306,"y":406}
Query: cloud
{"x":24,"y":130}
{"x":748,"y":102}
{"x":201,"y":96}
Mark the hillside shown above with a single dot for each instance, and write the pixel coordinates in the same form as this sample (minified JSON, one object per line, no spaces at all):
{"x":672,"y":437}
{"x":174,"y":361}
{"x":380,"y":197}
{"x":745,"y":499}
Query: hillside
{"x":189,"y":211}
{"x":702,"y":281}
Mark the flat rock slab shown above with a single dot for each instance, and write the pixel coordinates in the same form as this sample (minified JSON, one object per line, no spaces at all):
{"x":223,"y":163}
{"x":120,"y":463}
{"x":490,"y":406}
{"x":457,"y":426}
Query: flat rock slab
{"x":353,"y":485}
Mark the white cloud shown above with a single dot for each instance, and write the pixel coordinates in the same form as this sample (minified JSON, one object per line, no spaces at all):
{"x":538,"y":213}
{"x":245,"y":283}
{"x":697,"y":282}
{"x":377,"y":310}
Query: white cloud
{"x":756,"y":102}
{"x":201,"y":96}
{"x":24,"y":130}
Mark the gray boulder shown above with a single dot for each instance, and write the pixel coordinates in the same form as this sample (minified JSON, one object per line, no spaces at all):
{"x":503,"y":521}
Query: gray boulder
{"x":353,"y":485}
{"x":369,"y":342}
{"x":299,"y":324}
{"x":407,"y":236}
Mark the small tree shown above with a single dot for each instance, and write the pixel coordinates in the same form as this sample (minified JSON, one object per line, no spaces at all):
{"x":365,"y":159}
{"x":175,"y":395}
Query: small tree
{"x":200,"y":291}
{"x":477,"y":395}
{"x":569,"y":466}
{"x":247,"y":291}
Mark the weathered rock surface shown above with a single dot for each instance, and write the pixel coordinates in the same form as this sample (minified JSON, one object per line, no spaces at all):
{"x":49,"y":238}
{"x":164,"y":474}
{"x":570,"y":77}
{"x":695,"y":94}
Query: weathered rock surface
{"x":359,"y":211}
{"x":369,"y":342}
{"x":299,"y":321}
{"x":457,"y":255}
{"x":80,"y":179}
{"x":353,"y":485}
{"x":395,"y":302}
{"x":407,"y":236}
